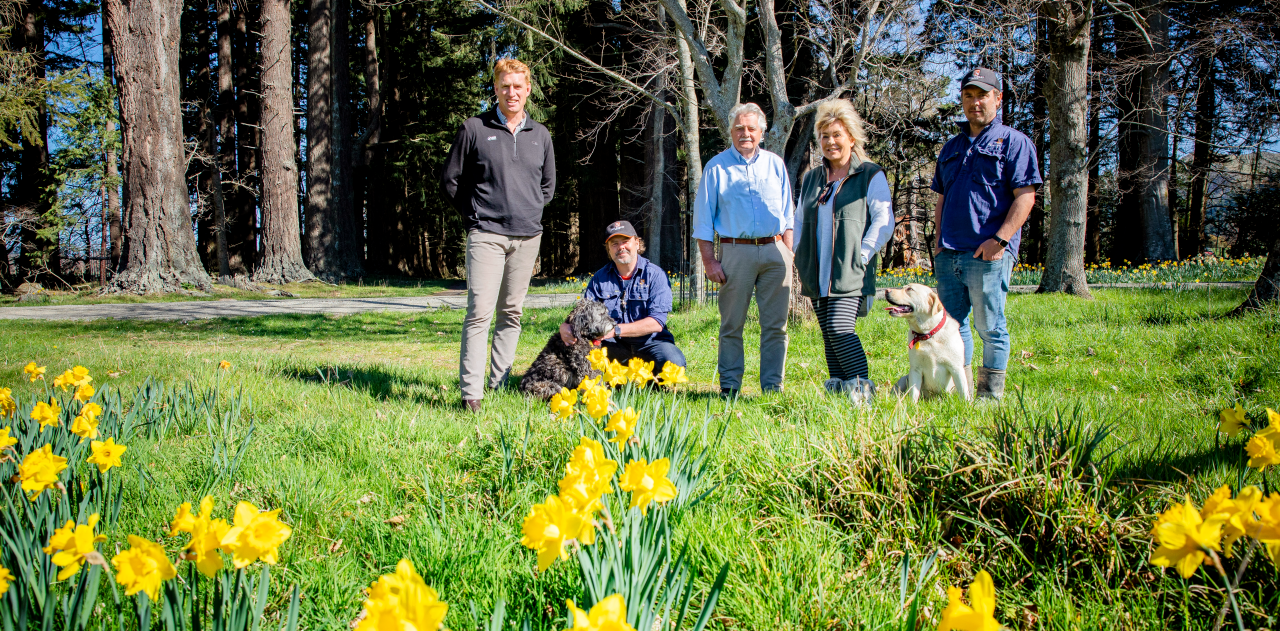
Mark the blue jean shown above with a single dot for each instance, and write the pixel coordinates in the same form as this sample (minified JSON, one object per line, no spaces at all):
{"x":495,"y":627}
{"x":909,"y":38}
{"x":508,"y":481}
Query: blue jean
{"x":966,"y":285}
{"x":655,"y":349}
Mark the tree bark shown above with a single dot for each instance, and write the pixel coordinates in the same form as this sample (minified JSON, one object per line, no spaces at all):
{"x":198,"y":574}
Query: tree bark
{"x":373,"y":129}
{"x":213,"y":225}
{"x":112,"y":179}
{"x":160,"y":249}
{"x":656,"y":167}
{"x":243,"y":224}
{"x":1202,"y":155}
{"x":1266,"y":290}
{"x":1068,"y":29}
{"x":35,"y":190}
{"x":1143,"y":230}
{"x":349,"y":225}
{"x":281,"y":260}
{"x":693,"y":160}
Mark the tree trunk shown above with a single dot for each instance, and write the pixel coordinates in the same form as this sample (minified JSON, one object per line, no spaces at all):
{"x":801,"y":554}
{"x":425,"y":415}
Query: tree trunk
{"x":213,"y":225}
{"x":1143,"y":230}
{"x":319,"y":218}
{"x":693,"y":159}
{"x":373,"y":128}
{"x":35,"y":190}
{"x":1068,"y":40}
{"x":1034,"y":233}
{"x":348,"y":225}
{"x":656,"y":167}
{"x":1266,"y":290}
{"x":1202,"y":155}
{"x":281,"y":260}
{"x":160,"y":249}
{"x":242,"y":230}
{"x":112,"y":179}
{"x":1093,"y":222}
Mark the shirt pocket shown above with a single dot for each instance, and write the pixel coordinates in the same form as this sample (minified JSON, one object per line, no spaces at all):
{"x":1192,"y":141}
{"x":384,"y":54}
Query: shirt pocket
{"x":988,"y":165}
{"x":948,"y":167}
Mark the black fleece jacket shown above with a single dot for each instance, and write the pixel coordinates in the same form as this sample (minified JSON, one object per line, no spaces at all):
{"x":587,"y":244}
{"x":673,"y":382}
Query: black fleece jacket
{"x":497,"y":180}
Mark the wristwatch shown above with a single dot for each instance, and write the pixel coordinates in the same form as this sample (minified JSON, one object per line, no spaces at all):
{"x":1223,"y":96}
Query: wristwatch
{"x":617,"y":331}
{"x":1002,"y":242}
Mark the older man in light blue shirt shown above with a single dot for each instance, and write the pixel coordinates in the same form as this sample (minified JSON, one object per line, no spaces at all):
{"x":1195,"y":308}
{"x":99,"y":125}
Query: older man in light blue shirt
{"x":745,"y":197}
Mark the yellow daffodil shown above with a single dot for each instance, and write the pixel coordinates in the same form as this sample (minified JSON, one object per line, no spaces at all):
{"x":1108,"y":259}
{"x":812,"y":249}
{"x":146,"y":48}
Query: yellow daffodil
{"x":39,"y":470}
{"x":33,"y":372}
{"x":672,"y":374}
{"x":224,"y":365}
{"x":648,"y":482}
{"x":616,"y":374}
{"x":979,"y":614}
{"x":1184,"y":537}
{"x":80,"y":376}
{"x":1237,"y":514}
{"x":599,"y":359}
{"x":1232,"y":420}
{"x":64,"y":380}
{"x":206,"y":536}
{"x":1268,"y":527}
{"x":548,"y":526}
{"x":641,"y":371}
{"x":586,"y":385}
{"x":587,"y":477}
{"x":8,"y":407}
{"x":402,"y":601}
{"x":623,"y":424}
{"x":1262,"y":452}
{"x":7,"y":441}
{"x":106,"y":454}
{"x":6,"y":577}
{"x":596,"y":401}
{"x":255,"y":535}
{"x":71,"y":543}
{"x":143,"y":568}
{"x":84,"y":393}
{"x":47,"y":414}
{"x":609,"y":614}
{"x":86,"y":427}
{"x":562,"y":402}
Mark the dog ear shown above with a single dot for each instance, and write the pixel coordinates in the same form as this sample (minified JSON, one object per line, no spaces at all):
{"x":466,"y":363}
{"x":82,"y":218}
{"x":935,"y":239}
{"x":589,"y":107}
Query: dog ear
{"x":935,"y":303}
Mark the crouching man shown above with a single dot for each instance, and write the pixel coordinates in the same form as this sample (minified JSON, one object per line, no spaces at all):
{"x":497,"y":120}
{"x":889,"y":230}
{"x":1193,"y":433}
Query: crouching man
{"x":638,"y":296}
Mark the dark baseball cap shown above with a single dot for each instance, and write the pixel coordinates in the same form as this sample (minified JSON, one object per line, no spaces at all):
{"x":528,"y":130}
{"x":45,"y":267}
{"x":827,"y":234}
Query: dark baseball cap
{"x":983,"y":78}
{"x":619,"y":228}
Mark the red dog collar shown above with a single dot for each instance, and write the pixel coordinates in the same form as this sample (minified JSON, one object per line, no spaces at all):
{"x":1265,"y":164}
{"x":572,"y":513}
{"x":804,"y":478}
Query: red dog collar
{"x":916,"y":338}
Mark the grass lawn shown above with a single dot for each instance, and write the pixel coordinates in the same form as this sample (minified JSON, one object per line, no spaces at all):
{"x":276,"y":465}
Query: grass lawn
{"x":368,"y":288}
{"x":360,"y":440}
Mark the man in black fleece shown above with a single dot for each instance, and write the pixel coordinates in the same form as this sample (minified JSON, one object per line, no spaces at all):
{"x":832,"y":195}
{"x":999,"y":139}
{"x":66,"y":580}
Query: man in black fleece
{"x":499,"y":174}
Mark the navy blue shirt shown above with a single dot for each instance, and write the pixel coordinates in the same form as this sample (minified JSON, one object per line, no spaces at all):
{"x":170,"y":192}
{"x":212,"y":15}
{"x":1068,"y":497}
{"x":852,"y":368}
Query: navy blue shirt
{"x":647,"y":294}
{"x":977,"y":179}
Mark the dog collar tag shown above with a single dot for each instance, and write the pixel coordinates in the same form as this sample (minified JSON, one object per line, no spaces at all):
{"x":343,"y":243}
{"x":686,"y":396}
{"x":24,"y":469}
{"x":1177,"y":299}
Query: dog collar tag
{"x":916,"y":338}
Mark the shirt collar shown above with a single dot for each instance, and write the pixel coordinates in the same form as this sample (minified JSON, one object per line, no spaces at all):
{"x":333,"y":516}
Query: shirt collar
{"x":743,"y":159}
{"x":641,"y":263}
{"x":524,"y":122}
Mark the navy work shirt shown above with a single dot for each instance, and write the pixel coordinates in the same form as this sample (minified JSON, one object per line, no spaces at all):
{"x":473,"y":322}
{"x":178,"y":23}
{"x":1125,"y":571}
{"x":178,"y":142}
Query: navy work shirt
{"x":647,"y":294}
{"x":977,"y":180}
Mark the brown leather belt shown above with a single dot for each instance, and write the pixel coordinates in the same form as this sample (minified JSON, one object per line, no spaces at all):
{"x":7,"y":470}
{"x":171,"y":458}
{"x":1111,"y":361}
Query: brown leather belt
{"x":760,"y":241}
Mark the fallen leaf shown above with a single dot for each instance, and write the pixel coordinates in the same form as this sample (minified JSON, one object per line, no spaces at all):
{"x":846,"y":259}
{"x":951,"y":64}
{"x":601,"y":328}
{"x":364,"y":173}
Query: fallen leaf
{"x":397,"y":521}
{"x":1094,"y":372}
{"x":1027,"y":354}
{"x":359,"y":618}
{"x":366,"y":498}
{"x":1091,"y":352}
{"x":1032,"y":366}
{"x":334,"y":548}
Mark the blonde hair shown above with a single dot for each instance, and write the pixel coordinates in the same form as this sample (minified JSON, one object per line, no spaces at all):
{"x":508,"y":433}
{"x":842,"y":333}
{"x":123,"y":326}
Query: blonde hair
{"x":841,"y":111}
{"x":510,"y":66}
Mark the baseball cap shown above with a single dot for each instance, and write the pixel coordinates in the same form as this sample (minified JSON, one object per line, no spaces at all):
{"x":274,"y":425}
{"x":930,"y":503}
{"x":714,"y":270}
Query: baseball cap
{"x":984,"y":78}
{"x":619,"y":227}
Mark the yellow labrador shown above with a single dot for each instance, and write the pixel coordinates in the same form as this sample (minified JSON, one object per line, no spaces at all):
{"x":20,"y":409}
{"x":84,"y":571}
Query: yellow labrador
{"x":933,"y":342}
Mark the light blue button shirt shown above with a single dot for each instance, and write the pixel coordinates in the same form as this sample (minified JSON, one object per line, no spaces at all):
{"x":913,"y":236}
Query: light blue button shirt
{"x":743,"y":199}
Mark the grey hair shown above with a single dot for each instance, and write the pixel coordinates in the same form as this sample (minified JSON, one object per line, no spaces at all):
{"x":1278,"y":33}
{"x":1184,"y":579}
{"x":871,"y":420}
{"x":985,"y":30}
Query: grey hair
{"x":748,"y":108}
{"x":841,"y":111}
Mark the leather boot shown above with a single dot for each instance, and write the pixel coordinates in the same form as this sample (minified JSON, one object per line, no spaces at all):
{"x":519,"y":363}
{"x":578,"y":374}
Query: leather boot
{"x":990,"y":383}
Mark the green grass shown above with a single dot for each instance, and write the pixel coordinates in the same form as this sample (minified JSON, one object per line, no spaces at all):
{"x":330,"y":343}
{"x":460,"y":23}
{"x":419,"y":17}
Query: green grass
{"x":373,"y":287}
{"x":1213,"y":270}
{"x":358,"y":422}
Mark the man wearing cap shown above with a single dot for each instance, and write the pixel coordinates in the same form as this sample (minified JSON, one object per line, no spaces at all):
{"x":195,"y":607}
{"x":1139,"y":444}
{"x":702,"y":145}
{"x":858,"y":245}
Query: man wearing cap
{"x":745,"y":197}
{"x":638,"y":297}
{"x":500,"y":172}
{"x":986,"y":179}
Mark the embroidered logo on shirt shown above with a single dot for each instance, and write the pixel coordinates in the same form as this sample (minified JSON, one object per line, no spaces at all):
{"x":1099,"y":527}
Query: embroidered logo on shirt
{"x":492,"y":138}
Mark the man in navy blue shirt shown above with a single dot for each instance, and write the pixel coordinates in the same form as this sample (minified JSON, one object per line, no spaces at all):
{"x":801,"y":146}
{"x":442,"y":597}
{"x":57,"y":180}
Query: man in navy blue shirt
{"x":638,"y":296}
{"x":986,"y":179}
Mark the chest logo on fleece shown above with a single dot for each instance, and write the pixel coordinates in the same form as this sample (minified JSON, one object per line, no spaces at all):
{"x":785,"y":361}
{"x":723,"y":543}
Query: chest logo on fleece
{"x":491,"y":138}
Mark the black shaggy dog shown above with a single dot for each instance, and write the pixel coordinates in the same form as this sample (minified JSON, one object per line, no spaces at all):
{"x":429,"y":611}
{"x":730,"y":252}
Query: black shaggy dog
{"x":561,"y":366}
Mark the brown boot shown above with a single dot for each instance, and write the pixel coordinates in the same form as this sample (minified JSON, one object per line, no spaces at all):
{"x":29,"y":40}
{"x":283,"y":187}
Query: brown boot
{"x":990,"y":383}
{"x":471,"y":405}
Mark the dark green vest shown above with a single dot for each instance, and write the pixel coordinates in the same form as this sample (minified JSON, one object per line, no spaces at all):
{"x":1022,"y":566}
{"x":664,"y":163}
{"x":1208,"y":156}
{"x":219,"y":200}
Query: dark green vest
{"x":849,"y":277}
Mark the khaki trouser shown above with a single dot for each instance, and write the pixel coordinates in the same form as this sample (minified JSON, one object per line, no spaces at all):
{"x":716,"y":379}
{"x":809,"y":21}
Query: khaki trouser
{"x":498,"y":271}
{"x":766,"y":269}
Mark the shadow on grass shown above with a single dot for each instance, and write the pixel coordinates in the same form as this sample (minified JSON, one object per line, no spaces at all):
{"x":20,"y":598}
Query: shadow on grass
{"x":380,"y":384}
{"x":1167,"y":462}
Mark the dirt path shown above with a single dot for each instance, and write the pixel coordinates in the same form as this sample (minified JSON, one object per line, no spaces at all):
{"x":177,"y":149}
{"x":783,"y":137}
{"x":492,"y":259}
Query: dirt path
{"x":199,"y":310}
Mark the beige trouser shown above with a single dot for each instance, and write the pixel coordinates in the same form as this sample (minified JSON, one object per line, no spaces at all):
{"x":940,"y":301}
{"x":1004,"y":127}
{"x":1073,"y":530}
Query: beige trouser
{"x":498,"y":271}
{"x":766,"y":269}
